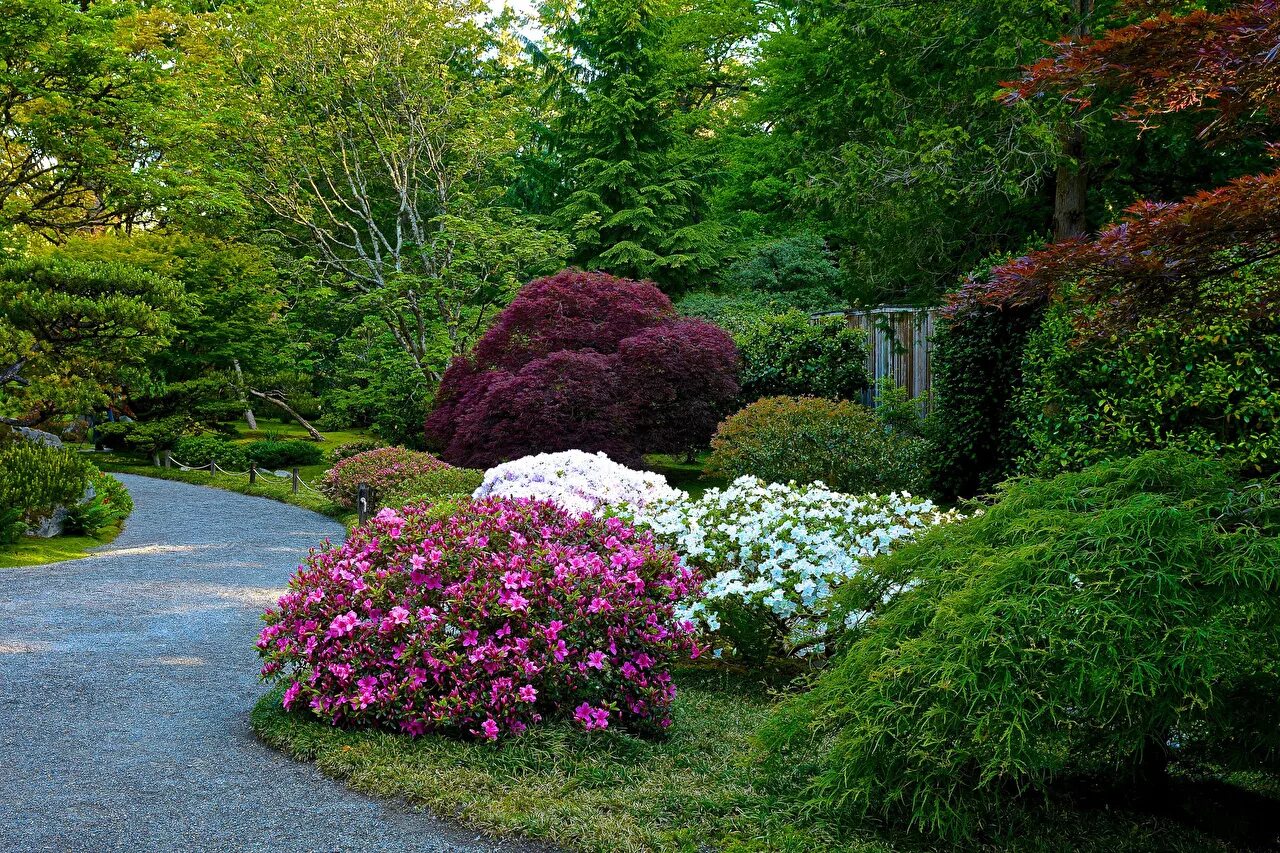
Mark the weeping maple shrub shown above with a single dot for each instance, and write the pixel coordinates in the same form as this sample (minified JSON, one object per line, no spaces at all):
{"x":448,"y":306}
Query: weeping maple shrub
{"x":1102,"y":624}
{"x":585,"y":361}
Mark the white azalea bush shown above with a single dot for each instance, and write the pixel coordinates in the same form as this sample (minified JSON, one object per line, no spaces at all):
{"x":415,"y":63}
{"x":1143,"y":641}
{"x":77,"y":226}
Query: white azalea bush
{"x":576,"y":480}
{"x":774,"y":554}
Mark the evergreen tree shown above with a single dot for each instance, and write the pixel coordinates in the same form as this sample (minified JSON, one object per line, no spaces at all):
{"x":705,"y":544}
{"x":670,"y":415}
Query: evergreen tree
{"x":629,"y":189}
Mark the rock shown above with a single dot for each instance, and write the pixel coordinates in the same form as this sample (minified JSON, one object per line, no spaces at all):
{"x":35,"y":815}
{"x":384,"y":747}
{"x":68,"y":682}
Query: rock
{"x":40,"y":436}
{"x":50,"y":526}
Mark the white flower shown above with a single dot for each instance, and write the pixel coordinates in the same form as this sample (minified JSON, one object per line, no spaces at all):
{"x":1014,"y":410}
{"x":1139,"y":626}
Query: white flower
{"x":783,"y":548}
{"x":580,"y":482}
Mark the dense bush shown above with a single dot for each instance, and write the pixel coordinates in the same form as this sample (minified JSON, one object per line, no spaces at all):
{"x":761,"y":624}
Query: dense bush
{"x":1212,"y":387}
{"x":386,"y":469}
{"x":484,"y":622}
{"x":977,"y":376}
{"x":589,"y":362}
{"x":433,"y":485}
{"x":773,"y":555}
{"x":1099,"y":624}
{"x":577,"y":481}
{"x":197,"y":451}
{"x":809,"y":439}
{"x":35,"y":479}
{"x":104,"y":511}
{"x":799,"y":268}
{"x":351,"y":448}
{"x":146,"y":437}
{"x":284,"y":454}
{"x":792,"y":354}
{"x":734,"y":311}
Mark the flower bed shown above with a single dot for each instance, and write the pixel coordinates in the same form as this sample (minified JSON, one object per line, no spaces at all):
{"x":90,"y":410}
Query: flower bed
{"x":384,"y":468}
{"x":483,"y":623}
{"x":774,"y":553}
{"x":577,"y":481}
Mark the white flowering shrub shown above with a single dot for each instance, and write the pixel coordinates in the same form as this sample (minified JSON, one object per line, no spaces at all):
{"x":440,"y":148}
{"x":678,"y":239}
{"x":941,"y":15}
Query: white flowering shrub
{"x":773,"y":554}
{"x":577,"y":481}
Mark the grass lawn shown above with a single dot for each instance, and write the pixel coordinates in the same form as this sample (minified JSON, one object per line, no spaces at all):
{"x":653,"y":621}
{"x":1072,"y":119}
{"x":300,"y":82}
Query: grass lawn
{"x":601,"y":792}
{"x":267,"y":486}
{"x":685,"y":475}
{"x":36,"y":550}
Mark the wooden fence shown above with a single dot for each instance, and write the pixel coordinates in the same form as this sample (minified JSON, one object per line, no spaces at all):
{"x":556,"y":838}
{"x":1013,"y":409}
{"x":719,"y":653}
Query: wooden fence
{"x":900,"y":346}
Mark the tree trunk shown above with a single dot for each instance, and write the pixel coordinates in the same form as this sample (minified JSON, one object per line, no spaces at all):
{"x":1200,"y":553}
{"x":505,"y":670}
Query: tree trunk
{"x":248,"y":410}
{"x":277,"y":400}
{"x":1071,"y":187}
{"x":1071,"y":183}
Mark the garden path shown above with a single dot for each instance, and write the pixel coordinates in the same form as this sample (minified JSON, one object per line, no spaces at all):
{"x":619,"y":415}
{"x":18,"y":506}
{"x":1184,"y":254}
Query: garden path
{"x":126,"y":679}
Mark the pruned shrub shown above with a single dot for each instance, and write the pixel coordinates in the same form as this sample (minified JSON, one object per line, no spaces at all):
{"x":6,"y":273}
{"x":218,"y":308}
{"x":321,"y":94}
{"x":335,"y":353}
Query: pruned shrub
{"x":1102,"y":624}
{"x":585,"y":361}
{"x":385,"y":469}
{"x":482,"y":623}
{"x":284,"y":454}
{"x":434,"y":485}
{"x":773,"y":555}
{"x":795,"y":355}
{"x":35,"y":479}
{"x":809,"y":439}
{"x":197,"y":451}
{"x":577,"y":481}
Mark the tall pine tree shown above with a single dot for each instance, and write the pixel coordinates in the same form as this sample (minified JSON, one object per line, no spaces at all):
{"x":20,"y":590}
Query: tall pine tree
{"x":628,"y":182}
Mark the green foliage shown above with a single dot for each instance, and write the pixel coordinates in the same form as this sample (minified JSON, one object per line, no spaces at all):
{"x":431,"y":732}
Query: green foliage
{"x":434,"y":485}
{"x":146,"y":437}
{"x":283,"y":454}
{"x":734,"y":311}
{"x":104,"y":512}
{"x":1212,"y":387}
{"x":70,"y":332}
{"x":1099,"y":624}
{"x":375,"y":383}
{"x":353,"y":448}
{"x":197,"y":451}
{"x":799,"y":268}
{"x":792,"y":354}
{"x":630,"y":189}
{"x":977,"y":376}
{"x":35,"y":479}
{"x":808,"y":439}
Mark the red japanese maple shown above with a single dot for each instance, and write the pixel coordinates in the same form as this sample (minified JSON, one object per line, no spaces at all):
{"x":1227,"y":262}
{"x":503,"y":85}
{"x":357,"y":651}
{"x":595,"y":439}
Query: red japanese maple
{"x":1161,"y":258}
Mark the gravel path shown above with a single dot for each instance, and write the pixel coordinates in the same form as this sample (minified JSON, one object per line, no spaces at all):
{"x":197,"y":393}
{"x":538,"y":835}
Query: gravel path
{"x":126,"y":679}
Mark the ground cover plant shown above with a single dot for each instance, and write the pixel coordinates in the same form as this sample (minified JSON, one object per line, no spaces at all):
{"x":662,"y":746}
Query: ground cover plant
{"x":809,"y":439}
{"x":384,"y":469}
{"x":577,"y":481}
{"x":1108,"y":624}
{"x":773,"y":554}
{"x":585,"y":361}
{"x":283,"y":454}
{"x":482,"y":622}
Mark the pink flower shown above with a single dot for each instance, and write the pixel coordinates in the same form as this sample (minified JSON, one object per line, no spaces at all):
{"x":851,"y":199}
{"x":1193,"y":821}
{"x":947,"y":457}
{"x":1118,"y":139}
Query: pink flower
{"x":290,"y":695}
{"x":399,"y":615}
{"x":527,"y":693}
{"x":596,"y":660}
{"x":490,"y":729}
{"x":343,"y":625}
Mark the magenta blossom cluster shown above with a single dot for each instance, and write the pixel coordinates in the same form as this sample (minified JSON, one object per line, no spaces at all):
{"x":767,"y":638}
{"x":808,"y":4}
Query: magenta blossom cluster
{"x":509,"y":612}
{"x":384,"y":469}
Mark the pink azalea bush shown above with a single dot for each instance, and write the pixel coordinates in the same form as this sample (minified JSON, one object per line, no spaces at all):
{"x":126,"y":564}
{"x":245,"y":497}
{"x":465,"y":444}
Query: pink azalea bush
{"x":508,"y":612}
{"x":384,"y":468}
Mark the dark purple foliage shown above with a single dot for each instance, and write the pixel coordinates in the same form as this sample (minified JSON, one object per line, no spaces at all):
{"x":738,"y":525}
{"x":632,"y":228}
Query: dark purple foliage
{"x":590,"y":362}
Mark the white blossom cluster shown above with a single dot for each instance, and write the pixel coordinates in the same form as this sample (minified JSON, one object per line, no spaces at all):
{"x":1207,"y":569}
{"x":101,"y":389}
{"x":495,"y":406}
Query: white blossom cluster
{"x":783,"y":549}
{"x":578,"y":481}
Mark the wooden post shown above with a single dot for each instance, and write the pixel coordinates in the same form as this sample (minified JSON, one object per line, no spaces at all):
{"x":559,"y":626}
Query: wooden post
{"x":253,"y":473}
{"x":168,"y":459}
{"x":362,"y":502}
{"x":213,"y":467}
{"x":295,"y":481}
